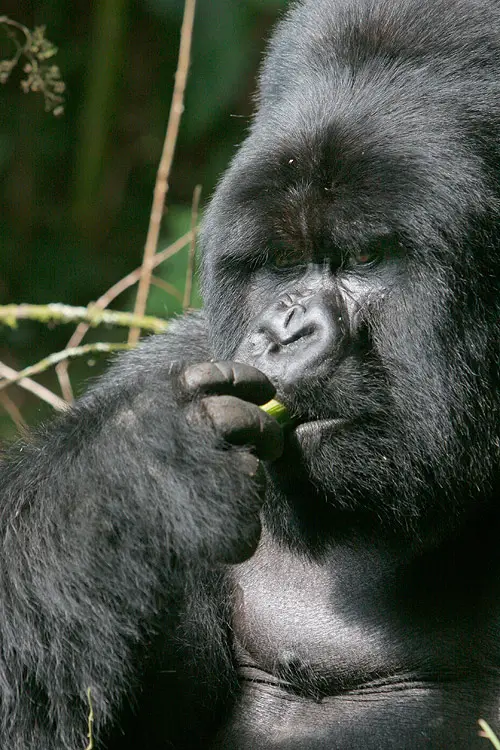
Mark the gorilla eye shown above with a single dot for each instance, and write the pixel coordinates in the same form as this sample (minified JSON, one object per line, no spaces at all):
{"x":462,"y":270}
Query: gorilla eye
{"x":374,"y":252}
{"x":286,"y":256}
{"x":365,"y":257}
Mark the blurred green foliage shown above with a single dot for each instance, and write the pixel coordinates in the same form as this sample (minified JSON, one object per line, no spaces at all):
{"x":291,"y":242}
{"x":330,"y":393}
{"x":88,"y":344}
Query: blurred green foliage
{"x":76,"y":191}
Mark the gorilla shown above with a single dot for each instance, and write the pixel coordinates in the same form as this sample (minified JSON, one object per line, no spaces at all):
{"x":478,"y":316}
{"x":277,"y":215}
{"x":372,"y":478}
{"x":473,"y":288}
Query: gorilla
{"x":197,"y":576}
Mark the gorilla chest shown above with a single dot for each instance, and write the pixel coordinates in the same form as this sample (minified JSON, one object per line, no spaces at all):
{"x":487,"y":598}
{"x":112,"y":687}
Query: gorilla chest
{"x":313,"y":626}
{"x":326,"y":651}
{"x":330,"y":626}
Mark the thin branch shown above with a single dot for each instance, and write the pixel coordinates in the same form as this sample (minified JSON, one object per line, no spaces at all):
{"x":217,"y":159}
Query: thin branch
{"x":9,"y":22}
{"x":488,"y":733}
{"x":123,"y":284}
{"x":58,"y":313}
{"x":53,"y":359}
{"x":188,"y":289}
{"x":13,"y":412}
{"x":6,"y":21}
{"x":90,"y":721}
{"x":166,"y":287}
{"x":35,"y":388}
{"x":161,"y":186}
{"x":63,"y":378}
{"x":106,"y":299}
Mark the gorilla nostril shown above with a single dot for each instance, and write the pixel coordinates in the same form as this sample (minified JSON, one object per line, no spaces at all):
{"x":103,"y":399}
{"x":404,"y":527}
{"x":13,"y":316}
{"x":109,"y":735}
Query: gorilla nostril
{"x":297,"y":307}
{"x":273,"y":348}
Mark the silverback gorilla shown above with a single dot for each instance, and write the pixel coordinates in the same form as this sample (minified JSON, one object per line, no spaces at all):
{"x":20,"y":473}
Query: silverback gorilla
{"x":219,"y":582}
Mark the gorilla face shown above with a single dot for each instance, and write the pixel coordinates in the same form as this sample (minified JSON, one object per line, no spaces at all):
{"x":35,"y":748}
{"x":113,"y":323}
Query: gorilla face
{"x":351,"y":254}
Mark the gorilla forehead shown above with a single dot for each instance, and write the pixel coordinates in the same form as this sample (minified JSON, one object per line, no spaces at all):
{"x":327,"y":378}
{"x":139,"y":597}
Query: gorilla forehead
{"x":348,"y":153}
{"x":368,"y":114}
{"x":328,"y":34}
{"x":353,"y":177}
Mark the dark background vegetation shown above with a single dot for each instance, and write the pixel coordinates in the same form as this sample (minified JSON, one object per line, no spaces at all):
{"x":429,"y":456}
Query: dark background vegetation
{"x":76,"y":191}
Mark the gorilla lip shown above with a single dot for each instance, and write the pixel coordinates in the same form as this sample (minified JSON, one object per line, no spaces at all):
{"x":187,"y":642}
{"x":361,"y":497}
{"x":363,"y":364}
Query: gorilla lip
{"x":315,"y":426}
{"x":280,"y":412}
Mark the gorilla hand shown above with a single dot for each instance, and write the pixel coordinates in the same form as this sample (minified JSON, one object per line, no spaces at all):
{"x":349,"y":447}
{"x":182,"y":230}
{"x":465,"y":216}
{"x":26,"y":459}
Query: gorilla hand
{"x":223,"y":396}
{"x":231,"y":391}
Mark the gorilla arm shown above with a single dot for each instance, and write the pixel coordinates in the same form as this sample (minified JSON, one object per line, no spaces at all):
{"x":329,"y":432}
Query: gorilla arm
{"x":94,"y":511}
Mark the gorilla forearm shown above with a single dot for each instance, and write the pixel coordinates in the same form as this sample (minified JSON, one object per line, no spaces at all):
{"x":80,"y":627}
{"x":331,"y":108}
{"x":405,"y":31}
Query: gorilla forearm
{"x":74,"y":591}
{"x":94,"y":511}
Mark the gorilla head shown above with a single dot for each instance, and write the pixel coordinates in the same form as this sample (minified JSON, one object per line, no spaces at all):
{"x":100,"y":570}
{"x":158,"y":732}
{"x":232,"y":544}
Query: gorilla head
{"x":351,"y":253}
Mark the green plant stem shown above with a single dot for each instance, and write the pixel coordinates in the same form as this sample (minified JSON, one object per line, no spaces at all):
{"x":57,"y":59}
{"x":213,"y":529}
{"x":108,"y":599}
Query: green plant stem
{"x":278,"y":411}
{"x":57,"y":313}
{"x":54,"y":359}
{"x":488,"y":733}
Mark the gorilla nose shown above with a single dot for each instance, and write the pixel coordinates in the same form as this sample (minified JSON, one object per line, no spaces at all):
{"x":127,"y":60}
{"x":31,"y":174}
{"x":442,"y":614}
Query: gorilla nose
{"x":296,"y":322}
{"x":294,"y":337}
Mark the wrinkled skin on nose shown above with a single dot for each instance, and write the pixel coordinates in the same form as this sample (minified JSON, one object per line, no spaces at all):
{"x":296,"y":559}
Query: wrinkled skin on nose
{"x":296,"y":337}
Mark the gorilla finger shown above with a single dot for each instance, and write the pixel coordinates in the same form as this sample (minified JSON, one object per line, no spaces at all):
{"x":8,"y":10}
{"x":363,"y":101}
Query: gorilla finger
{"x":228,"y":378}
{"x":252,"y":467}
{"x":242,"y":423}
{"x":250,"y":464}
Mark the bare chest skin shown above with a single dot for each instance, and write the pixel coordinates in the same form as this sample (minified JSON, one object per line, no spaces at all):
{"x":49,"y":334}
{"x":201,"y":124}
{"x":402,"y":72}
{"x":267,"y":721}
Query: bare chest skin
{"x":293,"y":619}
{"x":323,"y":647}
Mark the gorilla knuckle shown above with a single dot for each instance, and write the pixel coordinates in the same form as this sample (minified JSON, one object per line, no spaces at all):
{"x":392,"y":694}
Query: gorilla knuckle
{"x":197,"y":377}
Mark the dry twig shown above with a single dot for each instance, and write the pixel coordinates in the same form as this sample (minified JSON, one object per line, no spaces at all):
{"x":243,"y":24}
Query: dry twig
{"x":33,"y":387}
{"x":106,"y":299}
{"x":166,"y":287}
{"x":161,"y":186}
{"x":53,"y":359}
{"x":13,"y":412}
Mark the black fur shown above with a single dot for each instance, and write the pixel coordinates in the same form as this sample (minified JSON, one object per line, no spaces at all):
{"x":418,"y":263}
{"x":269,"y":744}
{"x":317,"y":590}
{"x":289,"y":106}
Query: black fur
{"x":367,"y":615}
